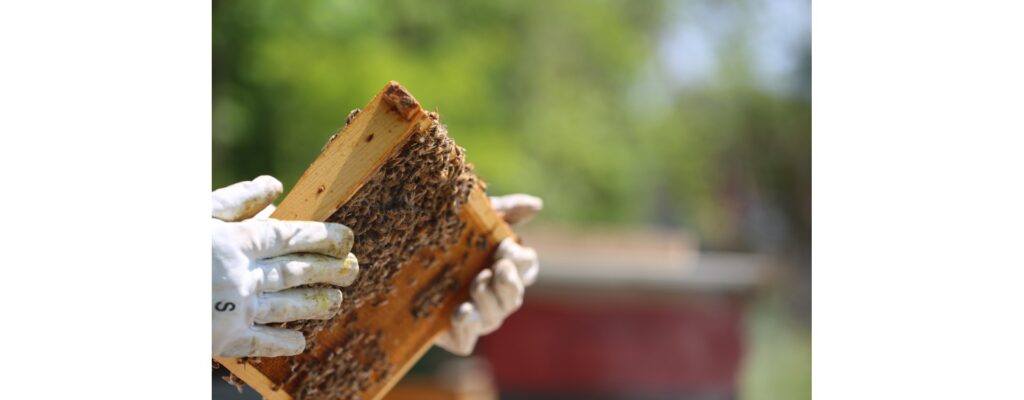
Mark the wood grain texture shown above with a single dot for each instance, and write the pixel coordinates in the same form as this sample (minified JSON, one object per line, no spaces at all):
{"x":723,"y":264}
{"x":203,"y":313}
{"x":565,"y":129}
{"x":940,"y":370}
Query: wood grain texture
{"x":341,"y":169}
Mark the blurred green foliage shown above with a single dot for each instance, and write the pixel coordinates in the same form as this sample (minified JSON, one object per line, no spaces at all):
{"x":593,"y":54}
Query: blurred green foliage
{"x":575,"y":101}
{"x":777,"y":365}
{"x":566,"y":100}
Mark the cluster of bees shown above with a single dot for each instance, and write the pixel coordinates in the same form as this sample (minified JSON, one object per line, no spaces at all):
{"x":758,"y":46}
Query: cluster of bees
{"x":346,"y":371}
{"x":434,"y":294}
{"x":411,"y":203}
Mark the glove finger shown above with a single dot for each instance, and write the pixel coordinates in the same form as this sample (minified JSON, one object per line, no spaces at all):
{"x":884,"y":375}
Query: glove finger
{"x":273,"y":238}
{"x":264,"y":341}
{"x":461,"y":337}
{"x":244,"y":199}
{"x":524,"y":258}
{"x":293,"y":270}
{"x":507,"y":286}
{"x":448,"y":342}
{"x":298,"y":304}
{"x":486,"y":302}
{"x":266,"y":212}
{"x":517,"y":208}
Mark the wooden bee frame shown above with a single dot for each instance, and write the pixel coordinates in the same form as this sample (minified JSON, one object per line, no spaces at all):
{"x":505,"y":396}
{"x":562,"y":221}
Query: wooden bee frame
{"x":399,"y":338}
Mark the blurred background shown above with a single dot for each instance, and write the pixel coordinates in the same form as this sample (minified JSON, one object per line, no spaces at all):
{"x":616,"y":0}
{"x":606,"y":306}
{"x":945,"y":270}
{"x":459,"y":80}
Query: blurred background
{"x":670,"y":141}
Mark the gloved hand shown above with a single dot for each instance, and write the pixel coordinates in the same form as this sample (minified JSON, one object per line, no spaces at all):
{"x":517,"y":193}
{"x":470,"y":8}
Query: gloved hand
{"x":498,"y":291}
{"x":256,"y":262}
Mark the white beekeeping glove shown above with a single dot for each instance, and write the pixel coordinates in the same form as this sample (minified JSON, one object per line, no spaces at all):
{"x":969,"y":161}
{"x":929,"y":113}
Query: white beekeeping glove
{"x":258,"y":262}
{"x":498,"y":291}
